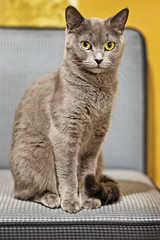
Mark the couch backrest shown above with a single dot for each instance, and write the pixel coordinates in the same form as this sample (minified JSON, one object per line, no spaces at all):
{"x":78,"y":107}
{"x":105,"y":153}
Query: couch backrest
{"x":26,"y":54}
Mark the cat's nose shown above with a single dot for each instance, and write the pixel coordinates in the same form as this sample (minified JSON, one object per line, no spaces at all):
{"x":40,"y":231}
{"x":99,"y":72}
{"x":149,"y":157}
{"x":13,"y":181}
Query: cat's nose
{"x":98,"y":61}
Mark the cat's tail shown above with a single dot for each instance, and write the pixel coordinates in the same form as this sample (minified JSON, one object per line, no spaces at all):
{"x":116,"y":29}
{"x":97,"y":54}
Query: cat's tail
{"x":103,"y":188}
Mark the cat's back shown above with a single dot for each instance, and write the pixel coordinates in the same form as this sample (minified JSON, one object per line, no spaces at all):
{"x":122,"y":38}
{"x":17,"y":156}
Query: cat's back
{"x":39,"y":89}
{"x":32,"y":109}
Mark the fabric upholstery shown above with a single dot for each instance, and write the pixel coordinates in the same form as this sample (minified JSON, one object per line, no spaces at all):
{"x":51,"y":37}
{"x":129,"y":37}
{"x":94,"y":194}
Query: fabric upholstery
{"x":26,"y":54}
{"x":135,"y":216}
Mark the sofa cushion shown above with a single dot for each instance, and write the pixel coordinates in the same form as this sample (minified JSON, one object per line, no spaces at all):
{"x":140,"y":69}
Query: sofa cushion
{"x":135,"y":216}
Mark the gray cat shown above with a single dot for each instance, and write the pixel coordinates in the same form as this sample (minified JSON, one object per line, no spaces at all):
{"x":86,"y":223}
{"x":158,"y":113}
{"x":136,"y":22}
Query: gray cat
{"x":62,"y":119}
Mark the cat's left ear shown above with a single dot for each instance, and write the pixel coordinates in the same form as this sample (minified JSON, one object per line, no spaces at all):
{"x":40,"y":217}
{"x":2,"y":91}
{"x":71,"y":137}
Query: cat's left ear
{"x":73,"y":18}
{"x":119,"y":20}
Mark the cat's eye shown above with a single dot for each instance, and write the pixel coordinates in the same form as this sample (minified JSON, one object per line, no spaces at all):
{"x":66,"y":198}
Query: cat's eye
{"x":86,"y":45}
{"x":109,"y":46}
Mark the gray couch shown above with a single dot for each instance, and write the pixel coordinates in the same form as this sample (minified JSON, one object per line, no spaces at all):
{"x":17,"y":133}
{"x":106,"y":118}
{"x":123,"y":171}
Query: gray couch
{"x":26,"y":54}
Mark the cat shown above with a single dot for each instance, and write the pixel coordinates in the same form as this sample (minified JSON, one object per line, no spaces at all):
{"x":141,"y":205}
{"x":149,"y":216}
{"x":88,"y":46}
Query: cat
{"x":62,"y":119}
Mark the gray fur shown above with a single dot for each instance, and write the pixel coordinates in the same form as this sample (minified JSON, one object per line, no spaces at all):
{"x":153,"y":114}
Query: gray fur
{"x":63,"y":117}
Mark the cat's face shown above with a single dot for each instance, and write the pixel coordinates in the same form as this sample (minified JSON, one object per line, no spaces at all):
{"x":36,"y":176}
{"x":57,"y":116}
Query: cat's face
{"x":95,"y":44}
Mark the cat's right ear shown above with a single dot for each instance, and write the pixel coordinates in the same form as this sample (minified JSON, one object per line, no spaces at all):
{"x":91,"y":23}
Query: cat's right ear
{"x":73,"y":18}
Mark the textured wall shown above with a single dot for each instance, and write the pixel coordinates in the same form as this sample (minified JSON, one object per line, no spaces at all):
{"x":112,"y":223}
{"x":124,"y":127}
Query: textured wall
{"x":39,"y":13}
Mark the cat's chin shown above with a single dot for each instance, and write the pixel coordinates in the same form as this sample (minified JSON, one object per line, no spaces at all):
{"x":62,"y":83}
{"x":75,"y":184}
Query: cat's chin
{"x":96,"y":70}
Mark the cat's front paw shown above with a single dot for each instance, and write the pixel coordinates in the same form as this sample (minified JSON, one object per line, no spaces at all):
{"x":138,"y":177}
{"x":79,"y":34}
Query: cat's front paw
{"x":71,"y":205}
{"x":91,"y":203}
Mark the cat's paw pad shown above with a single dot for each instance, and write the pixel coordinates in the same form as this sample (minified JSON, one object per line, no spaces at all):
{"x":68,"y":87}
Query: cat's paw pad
{"x":71,"y":205}
{"x":91,"y":203}
{"x":49,"y":200}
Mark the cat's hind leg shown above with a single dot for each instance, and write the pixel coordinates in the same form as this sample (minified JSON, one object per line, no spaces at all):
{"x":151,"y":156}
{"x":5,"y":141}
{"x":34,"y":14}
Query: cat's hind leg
{"x":33,"y":168}
{"x":48,"y":199}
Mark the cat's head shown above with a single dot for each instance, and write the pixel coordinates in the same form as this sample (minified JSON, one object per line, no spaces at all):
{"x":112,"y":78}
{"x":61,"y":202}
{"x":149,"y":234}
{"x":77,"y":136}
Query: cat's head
{"x":93,"y":43}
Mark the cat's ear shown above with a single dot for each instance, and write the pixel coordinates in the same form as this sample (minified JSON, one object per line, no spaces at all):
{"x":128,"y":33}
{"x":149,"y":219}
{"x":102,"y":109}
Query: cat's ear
{"x":119,"y":20}
{"x":73,"y":18}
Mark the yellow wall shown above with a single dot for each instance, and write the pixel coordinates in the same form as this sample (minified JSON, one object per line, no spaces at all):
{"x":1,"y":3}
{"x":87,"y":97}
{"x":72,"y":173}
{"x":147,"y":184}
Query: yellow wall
{"x":37,"y":13}
{"x":145,"y":16}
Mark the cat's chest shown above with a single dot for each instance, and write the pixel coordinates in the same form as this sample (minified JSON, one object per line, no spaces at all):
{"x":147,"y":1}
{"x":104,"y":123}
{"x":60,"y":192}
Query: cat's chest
{"x":94,"y":132}
{"x":97,"y":110}
{"x":96,"y":115}
{"x":96,"y":104}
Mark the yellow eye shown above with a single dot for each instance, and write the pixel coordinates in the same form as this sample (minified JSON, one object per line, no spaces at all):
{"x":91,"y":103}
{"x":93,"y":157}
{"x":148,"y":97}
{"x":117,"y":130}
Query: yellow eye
{"x":86,"y":45}
{"x":109,"y":46}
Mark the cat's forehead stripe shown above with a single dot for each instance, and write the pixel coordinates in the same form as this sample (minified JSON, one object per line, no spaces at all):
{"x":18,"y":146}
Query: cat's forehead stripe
{"x":97,"y":31}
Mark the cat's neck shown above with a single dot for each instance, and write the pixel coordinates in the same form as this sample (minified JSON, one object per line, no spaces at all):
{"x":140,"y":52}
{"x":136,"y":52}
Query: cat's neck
{"x":73,"y":74}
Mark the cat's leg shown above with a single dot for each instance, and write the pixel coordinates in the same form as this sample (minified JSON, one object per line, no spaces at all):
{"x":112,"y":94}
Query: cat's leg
{"x":66,"y":151}
{"x":48,"y":199}
{"x":87,"y":165}
{"x":100,"y":164}
{"x":33,"y":168}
